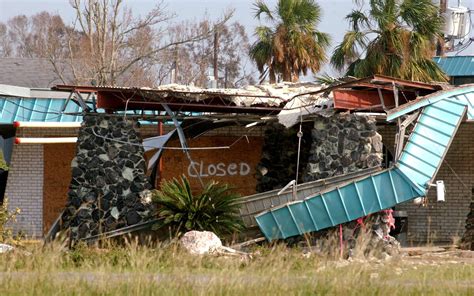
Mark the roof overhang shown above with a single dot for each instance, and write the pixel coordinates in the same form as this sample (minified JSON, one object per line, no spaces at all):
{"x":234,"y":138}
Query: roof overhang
{"x":26,"y":92}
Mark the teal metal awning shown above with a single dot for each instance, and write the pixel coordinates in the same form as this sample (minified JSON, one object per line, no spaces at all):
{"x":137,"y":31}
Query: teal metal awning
{"x":463,"y":94}
{"x":38,"y":110}
{"x":440,"y":117}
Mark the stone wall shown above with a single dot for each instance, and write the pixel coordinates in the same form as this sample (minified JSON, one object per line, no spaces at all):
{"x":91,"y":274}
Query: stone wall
{"x":331,"y":146}
{"x":342,"y":144}
{"x":277,"y":165}
{"x":108,"y":175}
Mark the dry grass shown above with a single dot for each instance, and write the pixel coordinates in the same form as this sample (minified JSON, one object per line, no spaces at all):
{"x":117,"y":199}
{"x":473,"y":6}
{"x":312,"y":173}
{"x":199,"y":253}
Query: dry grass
{"x":140,"y":270}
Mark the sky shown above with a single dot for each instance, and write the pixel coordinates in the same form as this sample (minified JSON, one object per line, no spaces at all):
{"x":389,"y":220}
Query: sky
{"x":332,"y":22}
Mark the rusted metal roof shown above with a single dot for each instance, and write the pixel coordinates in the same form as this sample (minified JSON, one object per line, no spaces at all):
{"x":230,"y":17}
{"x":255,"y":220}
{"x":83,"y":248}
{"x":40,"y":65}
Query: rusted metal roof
{"x":364,"y":93}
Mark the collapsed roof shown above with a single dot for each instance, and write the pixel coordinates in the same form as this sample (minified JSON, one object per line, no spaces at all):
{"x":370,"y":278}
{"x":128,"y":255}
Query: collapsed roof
{"x":289,"y":101}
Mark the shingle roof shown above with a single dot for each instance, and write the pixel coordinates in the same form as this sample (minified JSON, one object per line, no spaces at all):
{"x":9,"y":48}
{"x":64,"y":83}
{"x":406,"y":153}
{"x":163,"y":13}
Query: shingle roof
{"x":456,"y":65}
{"x":29,"y":72}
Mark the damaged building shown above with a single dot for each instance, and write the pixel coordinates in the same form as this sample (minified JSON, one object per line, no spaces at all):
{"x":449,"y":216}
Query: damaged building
{"x":257,"y":139}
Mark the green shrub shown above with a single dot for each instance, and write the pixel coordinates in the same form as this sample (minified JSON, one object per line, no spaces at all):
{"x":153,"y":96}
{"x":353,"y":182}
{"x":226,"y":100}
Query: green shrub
{"x":3,"y":163}
{"x":7,"y":217}
{"x":214,"y":209}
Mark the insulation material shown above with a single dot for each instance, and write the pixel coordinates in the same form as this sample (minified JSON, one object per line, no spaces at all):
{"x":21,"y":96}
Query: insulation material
{"x":304,"y":105}
{"x":272,"y":95}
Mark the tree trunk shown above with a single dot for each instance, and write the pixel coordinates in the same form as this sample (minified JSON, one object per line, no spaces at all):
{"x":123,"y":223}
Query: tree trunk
{"x":286,"y":73}
{"x":440,"y":42}
{"x":272,"y":76}
{"x":295,"y":77}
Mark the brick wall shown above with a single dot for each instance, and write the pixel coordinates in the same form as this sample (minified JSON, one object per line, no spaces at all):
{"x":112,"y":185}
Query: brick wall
{"x":235,"y":166}
{"x":441,"y":222}
{"x":47,"y":132}
{"x":57,"y":177}
{"x":245,"y":154}
{"x":25,"y":188}
{"x":151,"y":130}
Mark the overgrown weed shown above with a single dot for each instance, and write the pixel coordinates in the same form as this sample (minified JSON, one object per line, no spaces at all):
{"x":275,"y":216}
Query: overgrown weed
{"x":131,"y":268}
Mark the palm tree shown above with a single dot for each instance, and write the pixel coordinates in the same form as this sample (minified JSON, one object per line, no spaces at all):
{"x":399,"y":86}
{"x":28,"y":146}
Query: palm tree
{"x":397,"y":38}
{"x":292,"y":45}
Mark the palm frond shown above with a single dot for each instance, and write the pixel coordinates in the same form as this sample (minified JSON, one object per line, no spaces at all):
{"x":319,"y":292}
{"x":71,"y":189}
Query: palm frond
{"x":358,"y":20}
{"x":326,"y":79}
{"x":293,"y":45}
{"x":261,"y":8}
{"x":347,"y":50}
{"x":405,"y":33}
{"x":422,"y":16}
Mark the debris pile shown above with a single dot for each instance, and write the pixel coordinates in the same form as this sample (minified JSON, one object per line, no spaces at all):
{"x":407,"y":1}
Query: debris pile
{"x":207,"y":242}
{"x":200,"y":242}
{"x":108,"y":176}
{"x":4,"y":248}
{"x":252,"y":95}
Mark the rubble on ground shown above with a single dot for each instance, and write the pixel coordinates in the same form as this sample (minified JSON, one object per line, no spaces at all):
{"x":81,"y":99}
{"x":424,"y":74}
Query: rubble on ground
{"x":4,"y":248}
{"x":206,"y":242}
{"x":200,"y":242}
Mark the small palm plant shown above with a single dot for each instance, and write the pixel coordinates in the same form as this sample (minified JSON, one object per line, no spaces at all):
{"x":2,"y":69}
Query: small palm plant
{"x":214,"y":209}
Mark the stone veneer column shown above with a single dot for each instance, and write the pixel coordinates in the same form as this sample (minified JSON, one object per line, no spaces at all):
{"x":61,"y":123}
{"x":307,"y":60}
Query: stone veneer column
{"x":108,"y":175}
{"x":342,"y":144}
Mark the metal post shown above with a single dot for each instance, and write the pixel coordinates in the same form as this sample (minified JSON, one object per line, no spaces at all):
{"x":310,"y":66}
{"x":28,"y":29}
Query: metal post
{"x":299,"y":135}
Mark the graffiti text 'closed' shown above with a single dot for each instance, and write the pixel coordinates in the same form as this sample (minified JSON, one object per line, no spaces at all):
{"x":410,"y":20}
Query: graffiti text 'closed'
{"x":218,"y":169}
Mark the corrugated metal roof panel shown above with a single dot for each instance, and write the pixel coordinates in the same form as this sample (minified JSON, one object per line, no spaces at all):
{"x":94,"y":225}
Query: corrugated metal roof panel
{"x":37,"y":110}
{"x":433,"y":133}
{"x":456,"y":65}
{"x":463,"y":94}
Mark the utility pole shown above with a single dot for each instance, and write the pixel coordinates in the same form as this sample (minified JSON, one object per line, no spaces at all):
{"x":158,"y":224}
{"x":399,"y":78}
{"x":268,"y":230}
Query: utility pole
{"x":174,"y":70}
{"x":216,"y":53}
{"x":225,"y":77}
{"x":443,"y":6}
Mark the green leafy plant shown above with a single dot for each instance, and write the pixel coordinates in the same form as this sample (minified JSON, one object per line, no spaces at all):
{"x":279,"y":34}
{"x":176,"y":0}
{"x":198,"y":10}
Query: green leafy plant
{"x":6,"y":218}
{"x":3,"y":163}
{"x":214,"y":209}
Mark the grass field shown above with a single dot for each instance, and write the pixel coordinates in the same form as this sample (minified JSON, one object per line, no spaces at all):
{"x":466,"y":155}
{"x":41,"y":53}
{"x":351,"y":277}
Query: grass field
{"x":273,"y":270}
